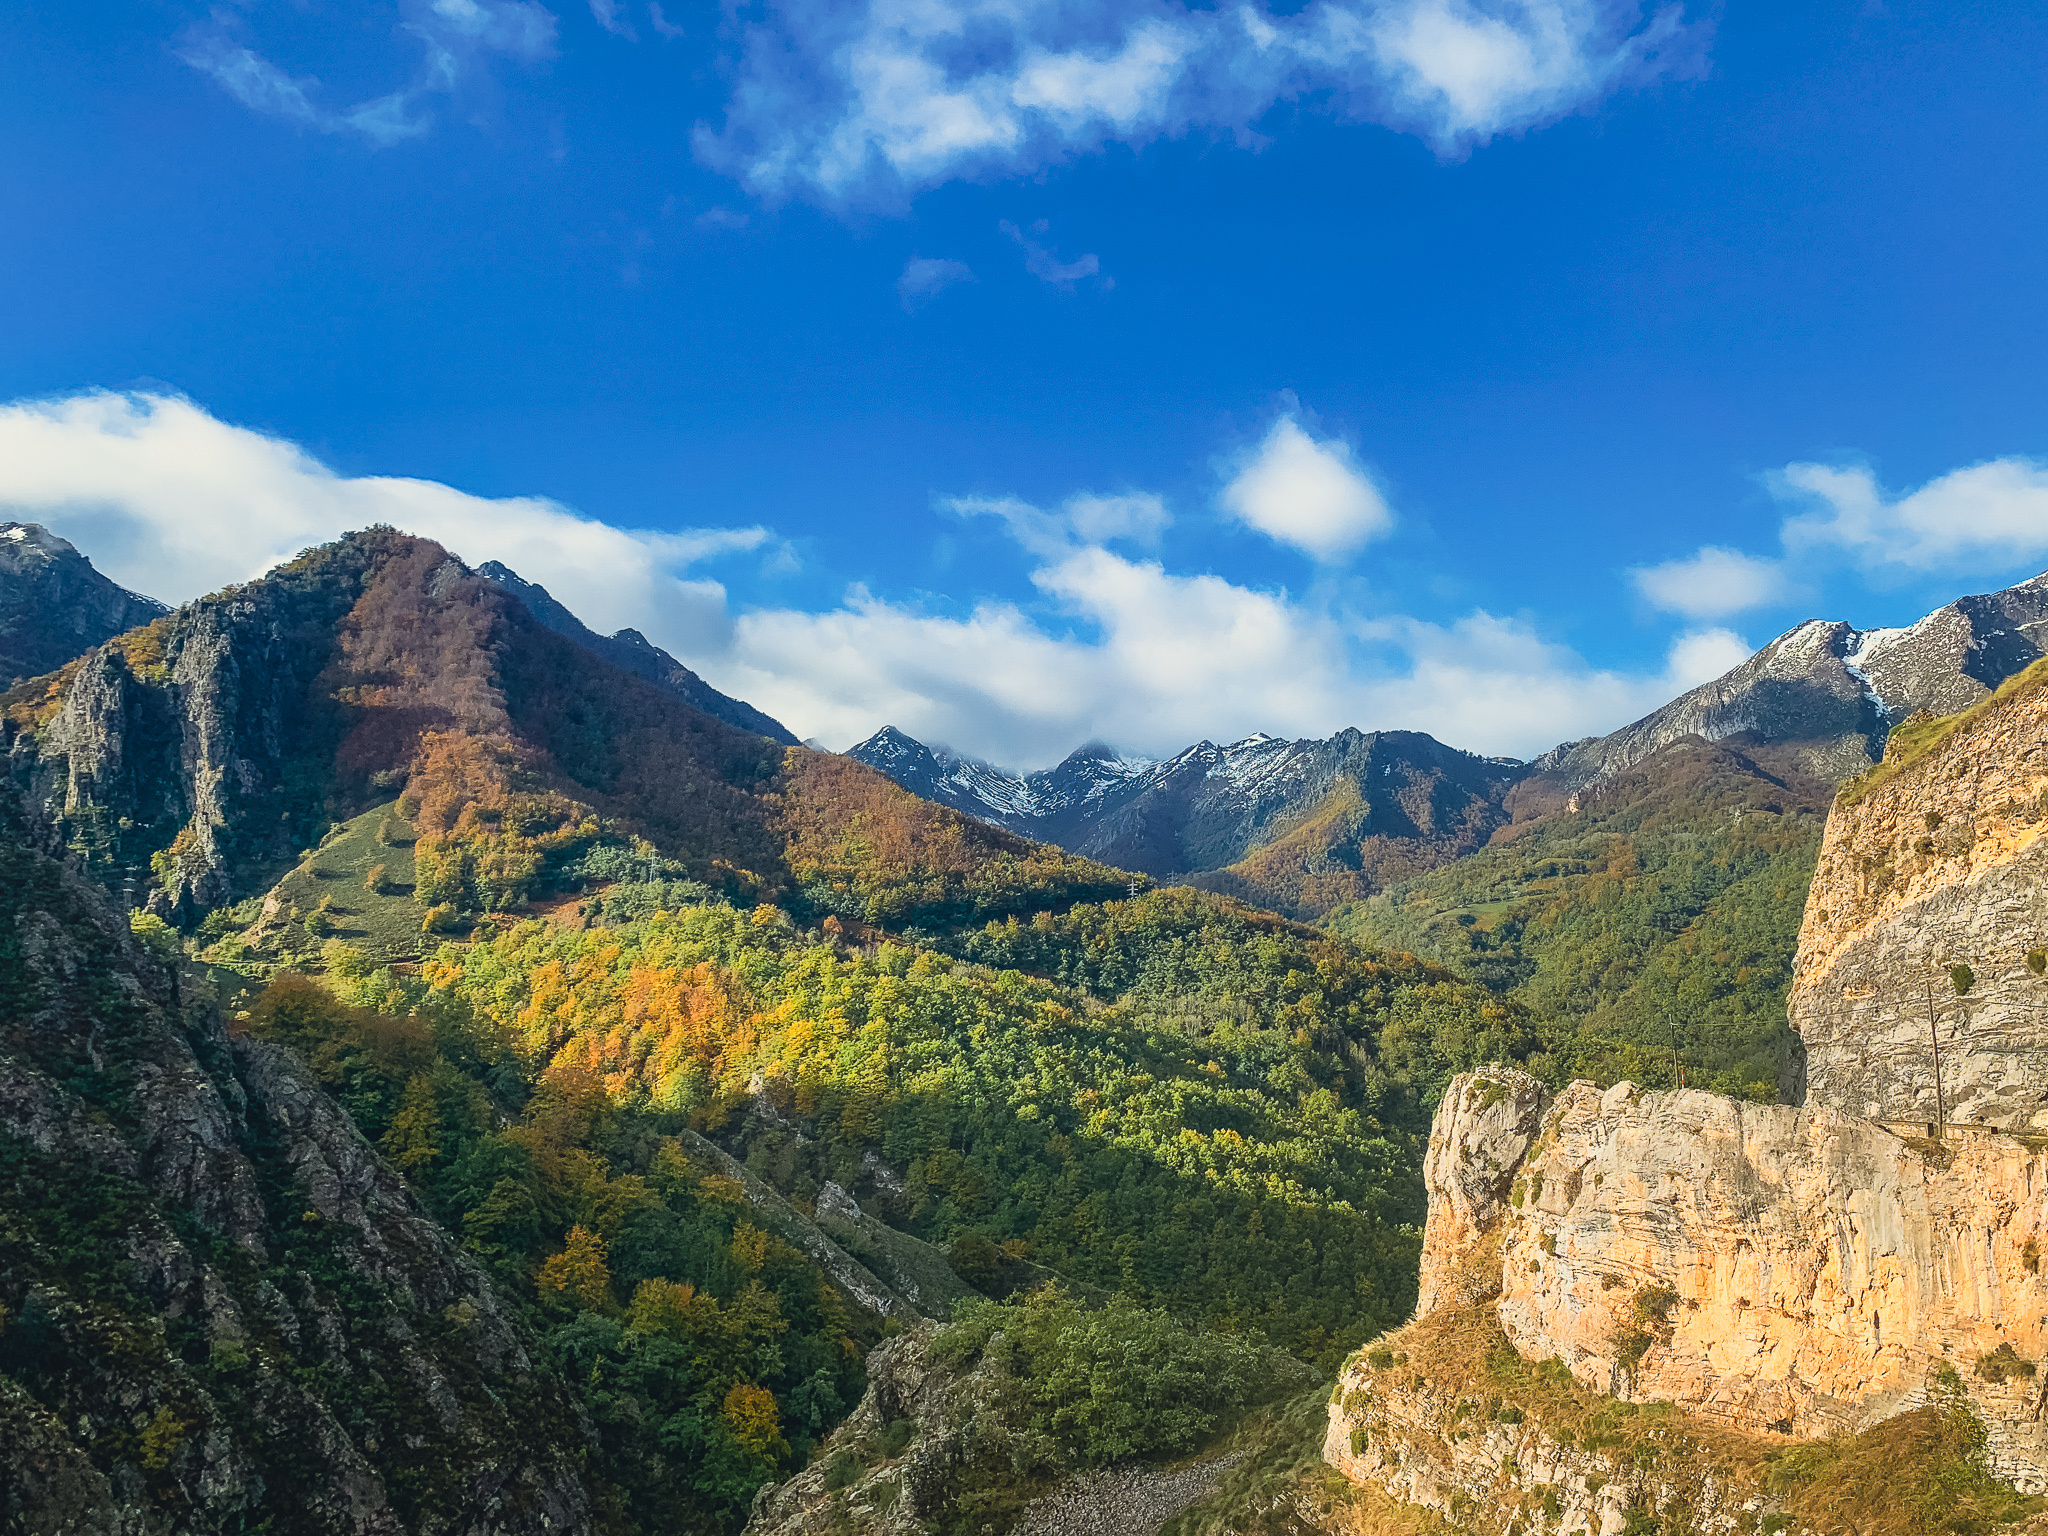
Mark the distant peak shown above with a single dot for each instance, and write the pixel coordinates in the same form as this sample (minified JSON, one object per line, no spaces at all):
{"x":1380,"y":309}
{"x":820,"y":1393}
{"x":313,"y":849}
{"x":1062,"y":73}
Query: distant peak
{"x":36,"y":536}
{"x":1096,"y":751}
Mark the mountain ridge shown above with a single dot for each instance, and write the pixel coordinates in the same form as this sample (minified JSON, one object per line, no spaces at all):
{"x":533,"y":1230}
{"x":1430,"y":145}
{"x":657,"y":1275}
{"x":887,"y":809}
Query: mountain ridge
{"x":1274,"y":822}
{"x":633,"y":652}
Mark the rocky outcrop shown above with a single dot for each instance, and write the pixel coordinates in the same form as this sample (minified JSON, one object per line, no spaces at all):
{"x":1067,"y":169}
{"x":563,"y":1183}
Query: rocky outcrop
{"x":889,"y":1468}
{"x":1474,"y":1152}
{"x":1458,"y":1443}
{"x":1768,"y":1269}
{"x":54,"y":606}
{"x":219,"y":1308}
{"x":1926,"y":930}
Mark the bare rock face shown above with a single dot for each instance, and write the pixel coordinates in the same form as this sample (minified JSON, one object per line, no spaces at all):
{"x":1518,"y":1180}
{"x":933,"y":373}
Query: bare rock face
{"x":1777,"y":1268}
{"x":1936,"y":876}
{"x":1770,"y":1270}
{"x":1476,"y":1142}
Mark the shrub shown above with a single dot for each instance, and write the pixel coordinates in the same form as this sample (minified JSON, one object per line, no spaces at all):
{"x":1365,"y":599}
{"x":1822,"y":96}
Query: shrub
{"x":1098,"y":1387}
{"x":378,"y":880}
{"x":2004,"y":1364}
{"x":440,"y":918}
{"x":157,"y":936}
{"x":1648,"y":1322}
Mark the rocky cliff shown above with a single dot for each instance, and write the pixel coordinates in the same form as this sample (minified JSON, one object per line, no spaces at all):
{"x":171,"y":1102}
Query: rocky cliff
{"x":219,"y":1308}
{"x":1686,"y":1268}
{"x":1926,"y":931}
{"x":200,"y":754}
{"x":54,"y":606}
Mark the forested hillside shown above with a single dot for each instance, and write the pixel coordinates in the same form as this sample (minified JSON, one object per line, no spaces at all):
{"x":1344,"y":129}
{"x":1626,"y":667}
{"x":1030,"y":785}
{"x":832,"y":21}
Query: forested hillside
{"x":557,"y":948}
{"x":1230,"y":1127}
{"x":1649,"y":929}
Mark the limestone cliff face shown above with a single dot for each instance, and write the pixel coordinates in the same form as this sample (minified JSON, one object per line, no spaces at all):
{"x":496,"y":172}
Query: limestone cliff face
{"x":1770,"y":1270}
{"x":1939,"y":865}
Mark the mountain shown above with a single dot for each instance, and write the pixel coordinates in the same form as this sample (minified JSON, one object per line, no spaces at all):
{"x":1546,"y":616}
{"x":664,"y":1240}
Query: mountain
{"x":220,"y":1309}
{"x":988,"y":793}
{"x":200,"y":758}
{"x":1294,"y":825}
{"x":1307,"y":826}
{"x":54,"y":606}
{"x":1826,"y":691}
{"x":631,"y":651}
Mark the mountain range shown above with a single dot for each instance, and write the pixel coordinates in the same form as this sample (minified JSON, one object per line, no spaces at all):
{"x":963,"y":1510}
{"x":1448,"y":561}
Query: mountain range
{"x":457,"y":1076}
{"x":1306,"y":826}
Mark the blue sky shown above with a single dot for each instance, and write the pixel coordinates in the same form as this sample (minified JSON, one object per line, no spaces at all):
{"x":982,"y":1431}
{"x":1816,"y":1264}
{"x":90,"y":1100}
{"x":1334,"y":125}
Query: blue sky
{"x":1020,"y":371}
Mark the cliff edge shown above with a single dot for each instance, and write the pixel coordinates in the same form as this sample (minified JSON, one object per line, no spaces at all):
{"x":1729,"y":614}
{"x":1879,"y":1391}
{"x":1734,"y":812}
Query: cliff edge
{"x":1926,"y":929}
{"x":1633,"y":1303}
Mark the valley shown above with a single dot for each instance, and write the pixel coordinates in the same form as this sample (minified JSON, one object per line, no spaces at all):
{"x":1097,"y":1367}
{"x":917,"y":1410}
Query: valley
{"x":462,"y":1072}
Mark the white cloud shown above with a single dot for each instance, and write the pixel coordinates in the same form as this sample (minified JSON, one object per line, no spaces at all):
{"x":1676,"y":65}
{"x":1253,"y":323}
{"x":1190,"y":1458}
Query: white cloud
{"x":662,"y":25}
{"x":1993,"y":513}
{"x":606,"y":14}
{"x":1082,"y":519}
{"x":924,"y":276}
{"x":1712,"y":583}
{"x":170,"y":501}
{"x":1174,"y":659}
{"x":1048,"y":268}
{"x":1136,"y":515}
{"x":451,"y":34}
{"x":885,"y":96}
{"x":1308,"y":494}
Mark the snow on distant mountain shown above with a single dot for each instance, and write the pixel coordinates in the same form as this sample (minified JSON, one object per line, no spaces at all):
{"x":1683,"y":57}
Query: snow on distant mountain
{"x":1303,"y":825}
{"x":988,"y":793}
{"x":1827,"y":692}
{"x":1344,"y":807}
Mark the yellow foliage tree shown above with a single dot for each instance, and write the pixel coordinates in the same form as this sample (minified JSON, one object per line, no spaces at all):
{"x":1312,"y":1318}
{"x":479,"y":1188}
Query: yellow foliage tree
{"x":672,"y":1311}
{"x":414,"y":1138}
{"x":753,"y":1418}
{"x":749,"y":1248}
{"x":582,"y":1271}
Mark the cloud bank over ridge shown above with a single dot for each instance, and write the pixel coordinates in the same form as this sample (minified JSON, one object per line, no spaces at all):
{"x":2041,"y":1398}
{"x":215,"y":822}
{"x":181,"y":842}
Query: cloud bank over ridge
{"x":174,"y":502}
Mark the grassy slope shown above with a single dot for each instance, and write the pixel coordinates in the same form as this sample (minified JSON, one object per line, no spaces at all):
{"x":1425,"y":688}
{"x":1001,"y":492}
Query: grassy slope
{"x":1670,"y":901}
{"x":383,"y":924}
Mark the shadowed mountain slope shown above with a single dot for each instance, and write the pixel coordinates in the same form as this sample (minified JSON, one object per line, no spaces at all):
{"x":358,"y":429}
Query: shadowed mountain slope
{"x":631,"y":651}
{"x":53,"y":605}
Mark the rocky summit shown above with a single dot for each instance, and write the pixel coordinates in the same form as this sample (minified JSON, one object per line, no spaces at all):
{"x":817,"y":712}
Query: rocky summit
{"x":54,"y":606}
